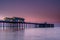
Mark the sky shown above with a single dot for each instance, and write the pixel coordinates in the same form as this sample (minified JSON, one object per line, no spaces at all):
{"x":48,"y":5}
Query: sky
{"x":39,"y":11}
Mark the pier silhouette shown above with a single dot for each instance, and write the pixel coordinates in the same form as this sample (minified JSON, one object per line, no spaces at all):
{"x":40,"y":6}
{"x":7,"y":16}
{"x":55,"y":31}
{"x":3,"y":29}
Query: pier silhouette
{"x":16,"y":22}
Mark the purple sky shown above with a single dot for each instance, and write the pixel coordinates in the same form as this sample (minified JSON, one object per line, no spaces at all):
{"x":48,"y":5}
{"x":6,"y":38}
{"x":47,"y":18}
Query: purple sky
{"x":32,"y":10}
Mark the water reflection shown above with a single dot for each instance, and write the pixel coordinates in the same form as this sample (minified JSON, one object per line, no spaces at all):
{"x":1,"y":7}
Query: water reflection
{"x":11,"y":29}
{"x":30,"y":34}
{"x":42,"y":34}
{"x":11,"y":34}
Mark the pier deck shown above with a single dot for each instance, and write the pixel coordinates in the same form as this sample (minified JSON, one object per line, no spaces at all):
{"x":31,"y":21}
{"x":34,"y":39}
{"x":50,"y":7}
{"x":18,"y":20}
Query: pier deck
{"x":24,"y":24}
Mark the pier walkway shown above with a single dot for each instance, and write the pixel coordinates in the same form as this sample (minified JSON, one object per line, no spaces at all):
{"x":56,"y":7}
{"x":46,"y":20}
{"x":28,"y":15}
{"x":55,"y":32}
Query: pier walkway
{"x":5,"y":24}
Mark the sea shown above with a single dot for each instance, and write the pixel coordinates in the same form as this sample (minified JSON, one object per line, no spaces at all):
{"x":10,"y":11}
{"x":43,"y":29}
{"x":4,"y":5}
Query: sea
{"x":31,"y":34}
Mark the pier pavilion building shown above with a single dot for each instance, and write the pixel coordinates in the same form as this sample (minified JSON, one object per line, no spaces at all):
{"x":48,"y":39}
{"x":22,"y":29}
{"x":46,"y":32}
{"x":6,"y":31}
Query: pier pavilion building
{"x":14,"y":19}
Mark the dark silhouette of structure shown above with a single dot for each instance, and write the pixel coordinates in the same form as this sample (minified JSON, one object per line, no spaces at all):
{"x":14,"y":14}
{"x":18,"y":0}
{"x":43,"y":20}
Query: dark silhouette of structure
{"x":14,"y":19}
{"x":17,"y":22}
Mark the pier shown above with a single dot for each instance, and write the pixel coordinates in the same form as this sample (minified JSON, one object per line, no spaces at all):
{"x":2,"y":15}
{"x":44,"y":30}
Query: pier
{"x":24,"y":24}
{"x":19,"y":23}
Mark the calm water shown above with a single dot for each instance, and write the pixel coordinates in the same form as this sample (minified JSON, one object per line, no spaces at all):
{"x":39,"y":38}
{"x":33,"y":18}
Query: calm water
{"x":32,"y":34}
